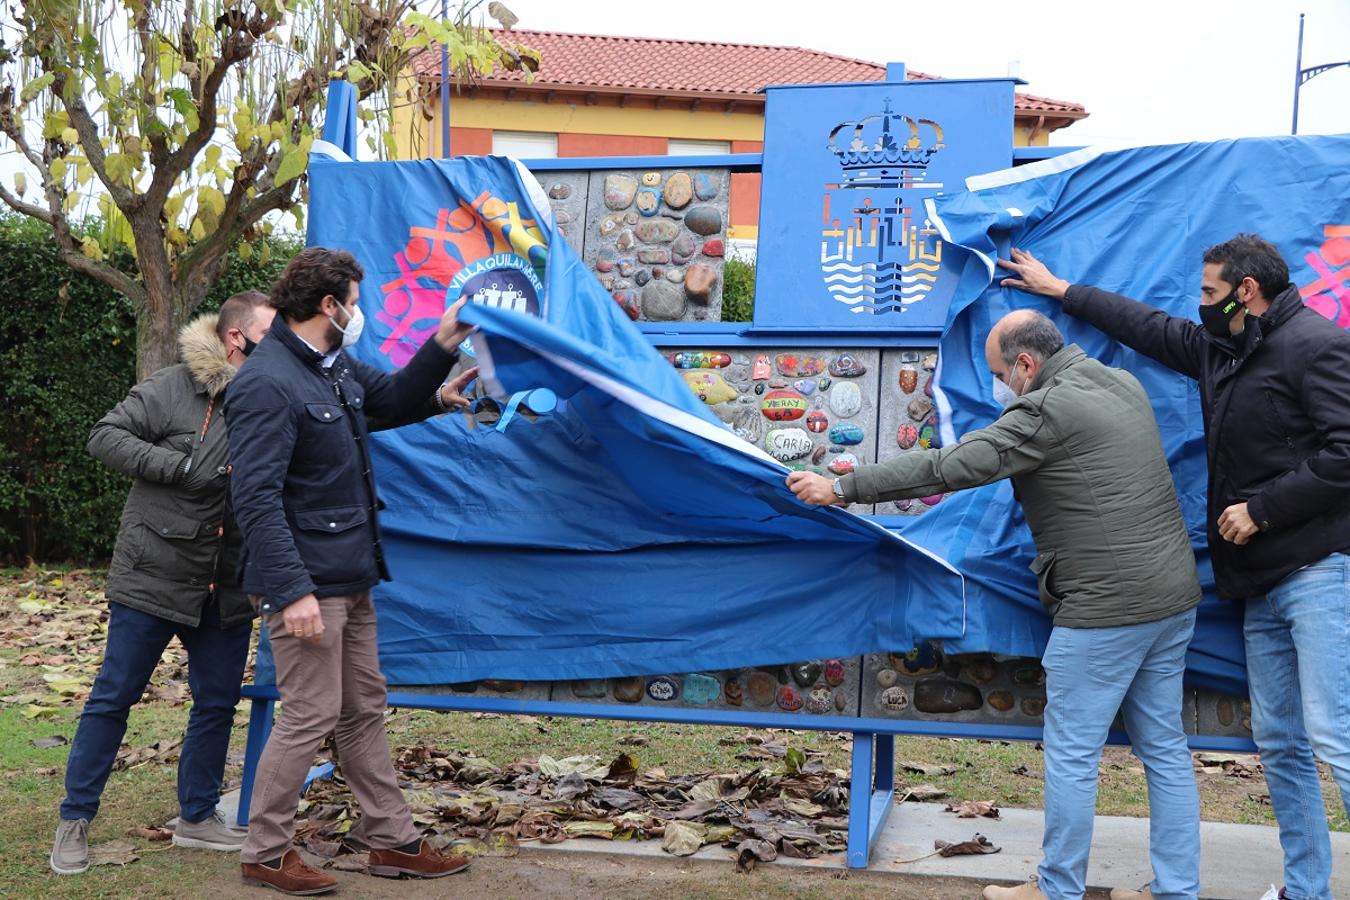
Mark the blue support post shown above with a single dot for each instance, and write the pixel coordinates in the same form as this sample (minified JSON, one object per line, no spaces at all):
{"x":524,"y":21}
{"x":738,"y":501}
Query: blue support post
{"x":259,"y":729}
{"x":860,"y":800}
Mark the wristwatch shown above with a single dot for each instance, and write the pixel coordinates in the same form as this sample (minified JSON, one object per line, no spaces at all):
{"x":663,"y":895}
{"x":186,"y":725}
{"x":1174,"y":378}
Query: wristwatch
{"x":838,"y":489}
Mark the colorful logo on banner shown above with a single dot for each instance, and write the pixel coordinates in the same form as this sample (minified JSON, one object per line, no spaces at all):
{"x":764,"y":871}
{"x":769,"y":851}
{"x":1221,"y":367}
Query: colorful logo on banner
{"x":876,"y":256}
{"x":483,"y":249}
{"x":1327,"y":293}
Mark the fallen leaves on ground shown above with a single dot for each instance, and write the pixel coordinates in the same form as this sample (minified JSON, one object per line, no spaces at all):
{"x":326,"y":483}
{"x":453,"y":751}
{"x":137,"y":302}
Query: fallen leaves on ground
{"x":120,"y":852}
{"x":795,"y":808}
{"x":927,"y":769}
{"x":974,"y":809}
{"x":977,"y":845}
{"x":920,"y":793}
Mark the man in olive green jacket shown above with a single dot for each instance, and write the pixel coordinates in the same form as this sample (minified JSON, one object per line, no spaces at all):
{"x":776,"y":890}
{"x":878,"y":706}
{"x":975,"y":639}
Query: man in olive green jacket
{"x":172,"y":574}
{"x":1116,"y":574}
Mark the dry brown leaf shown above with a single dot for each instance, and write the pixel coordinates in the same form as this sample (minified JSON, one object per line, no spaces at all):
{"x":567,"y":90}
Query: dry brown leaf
{"x":973,"y":809}
{"x":977,"y":845}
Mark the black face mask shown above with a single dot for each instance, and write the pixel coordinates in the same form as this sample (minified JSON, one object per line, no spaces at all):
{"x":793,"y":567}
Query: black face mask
{"x":1216,"y":317}
{"x":249,"y":346}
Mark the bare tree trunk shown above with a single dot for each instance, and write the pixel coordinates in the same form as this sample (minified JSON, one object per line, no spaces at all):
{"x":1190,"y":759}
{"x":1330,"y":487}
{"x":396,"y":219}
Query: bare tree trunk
{"x":158,"y":315}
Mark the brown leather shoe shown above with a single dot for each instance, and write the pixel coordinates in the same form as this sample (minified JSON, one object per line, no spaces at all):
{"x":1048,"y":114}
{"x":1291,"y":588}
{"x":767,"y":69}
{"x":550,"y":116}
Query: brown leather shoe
{"x":291,"y":877}
{"x":425,"y":863}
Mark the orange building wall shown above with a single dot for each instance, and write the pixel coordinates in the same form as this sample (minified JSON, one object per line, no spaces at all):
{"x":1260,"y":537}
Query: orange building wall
{"x":469,"y":141}
{"x":610,"y":145}
{"x":745,"y":189}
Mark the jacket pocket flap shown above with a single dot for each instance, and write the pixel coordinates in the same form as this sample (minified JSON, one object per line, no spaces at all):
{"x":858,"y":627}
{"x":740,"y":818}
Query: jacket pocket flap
{"x":170,"y":524}
{"x":324,"y":412}
{"x":333,"y":520}
{"x":1042,"y":562}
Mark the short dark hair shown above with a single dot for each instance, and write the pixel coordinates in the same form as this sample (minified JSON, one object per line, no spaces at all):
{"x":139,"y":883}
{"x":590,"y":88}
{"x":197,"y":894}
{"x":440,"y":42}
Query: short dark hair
{"x":1035,"y":334}
{"x":237,"y":311}
{"x":1250,"y":255}
{"x":314,"y":273}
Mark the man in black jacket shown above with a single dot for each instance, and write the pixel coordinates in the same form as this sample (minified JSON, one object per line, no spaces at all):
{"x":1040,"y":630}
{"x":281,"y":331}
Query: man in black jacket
{"x":306,"y":502}
{"x":1275,"y":393}
{"x":172,"y":574}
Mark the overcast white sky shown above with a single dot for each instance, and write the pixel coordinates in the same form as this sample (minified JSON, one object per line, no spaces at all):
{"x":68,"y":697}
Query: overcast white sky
{"x":1149,"y":71}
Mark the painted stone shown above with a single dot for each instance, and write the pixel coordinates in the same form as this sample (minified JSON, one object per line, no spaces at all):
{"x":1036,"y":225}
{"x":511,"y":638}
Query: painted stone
{"x":626,"y":268}
{"x":930,"y":361}
{"x":919,"y":408}
{"x":787,"y":444}
{"x":642,"y":277}
{"x":464,"y":687}
{"x":942,"y":695}
{"x":700,"y":689}
{"x":683,"y":249}
{"x":817,"y":421}
{"x":903,"y":505}
{"x":656,"y":231}
{"x":909,"y":379}
{"x":714,"y":247}
{"x":562,"y":217}
{"x":928,"y":388}
{"x":651,"y":179}
{"x":703,"y":220}
{"x":560,"y":191}
{"x":928,"y":434}
{"x":663,"y":689}
{"x":909,"y":356}
{"x":778,"y":383}
{"x":922,"y":660}
{"x":805,"y":674}
{"x":843,"y":464}
{"x":819,"y":701}
{"x":628,"y":690}
{"x":712,"y":389}
{"x":895,"y":699}
{"x":789,"y":698}
{"x":840,"y":700}
{"x":1029,"y":675}
{"x":1224,"y":712}
{"x":662,"y":301}
{"x":846,"y":399}
{"x":805,"y":386}
{"x":648,"y":201}
{"x":846,"y":433}
{"x":931,"y":500}
{"x":704,"y":186}
{"x":699,"y":281}
{"x":610,"y":224}
{"x":628,"y":302}
{"x":502,"y":686}
{"x":675,"y":276}
{"x":761,"y":369}
{"x":979,"y":669}
{"x":783,"y":406}
{"x":762,"y":688}
{"x":623,"y":283}
{"x":679,"y":190}
{"x":1033,"y":706}
{"x":846,"y":365}
{"x":607,"y":282}
{"x":824,"y":383}
{"x":887,"y":677}
{"x":819,"y":456}
{"x":699,"y":359}
{"x":658,"y":272}
{"x":793,"y":366}
{"x":619,"y":190}
{"x":590,"y":688}
{"x":734,"y":693}
{"x":630,"y":218}
{"x":605,"y":261}
{"x":759,"y":387}
{"x":834,"y":672}
{"x":906,"y":436}
{"x":654,"y":256}
{"x":1001,"y":700}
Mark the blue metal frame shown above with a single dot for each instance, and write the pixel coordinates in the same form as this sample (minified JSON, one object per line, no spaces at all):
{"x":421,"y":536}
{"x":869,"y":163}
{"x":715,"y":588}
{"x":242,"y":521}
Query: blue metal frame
{"x":872,"y":775}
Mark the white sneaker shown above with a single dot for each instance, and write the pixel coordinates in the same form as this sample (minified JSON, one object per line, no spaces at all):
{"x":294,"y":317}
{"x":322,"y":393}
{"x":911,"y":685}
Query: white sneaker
{"x":1272,"y":894}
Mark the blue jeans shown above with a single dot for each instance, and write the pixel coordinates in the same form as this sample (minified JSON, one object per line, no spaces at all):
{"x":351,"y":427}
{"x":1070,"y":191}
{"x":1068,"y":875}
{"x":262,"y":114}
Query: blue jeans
{"x":1298,"y":673}
{"x":1090,"y":674}
{"x":216,"y":659}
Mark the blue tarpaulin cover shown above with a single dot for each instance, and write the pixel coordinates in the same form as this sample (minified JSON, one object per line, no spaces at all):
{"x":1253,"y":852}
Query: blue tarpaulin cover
{"x":1135,"y":222}
{"x":623,"y":529}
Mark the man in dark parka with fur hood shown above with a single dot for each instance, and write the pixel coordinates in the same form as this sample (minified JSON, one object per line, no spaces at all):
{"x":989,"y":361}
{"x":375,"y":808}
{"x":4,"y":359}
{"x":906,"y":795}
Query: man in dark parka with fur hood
{"x":172,"y":573}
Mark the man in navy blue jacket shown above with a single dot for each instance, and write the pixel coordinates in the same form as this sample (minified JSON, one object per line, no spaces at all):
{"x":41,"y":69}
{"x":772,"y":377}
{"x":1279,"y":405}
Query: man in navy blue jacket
{"x":304,"y":496}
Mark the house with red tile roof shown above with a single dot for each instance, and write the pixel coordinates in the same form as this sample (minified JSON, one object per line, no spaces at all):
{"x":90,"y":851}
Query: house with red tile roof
{"x":604,"y":95}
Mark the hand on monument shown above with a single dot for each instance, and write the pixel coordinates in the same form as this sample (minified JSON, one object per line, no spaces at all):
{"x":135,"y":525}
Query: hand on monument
{"x":813,"y":489}
{"x":1033,"y":276}
{"x":452,"y":331}
{"x":452,"y":392}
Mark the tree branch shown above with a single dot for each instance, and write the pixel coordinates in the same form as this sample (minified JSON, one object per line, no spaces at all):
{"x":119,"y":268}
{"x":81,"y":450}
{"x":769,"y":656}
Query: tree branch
{"x":83,"y":123}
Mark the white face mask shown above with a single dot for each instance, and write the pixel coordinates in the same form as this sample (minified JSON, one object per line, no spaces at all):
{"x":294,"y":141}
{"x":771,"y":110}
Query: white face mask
{"x":356,"y":321}
{"x":1003,"y":395}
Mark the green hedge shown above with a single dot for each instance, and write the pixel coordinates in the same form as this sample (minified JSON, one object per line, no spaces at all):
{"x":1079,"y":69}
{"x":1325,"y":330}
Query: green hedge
{"x":67,"y":353}
{"x":738,"y":290}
